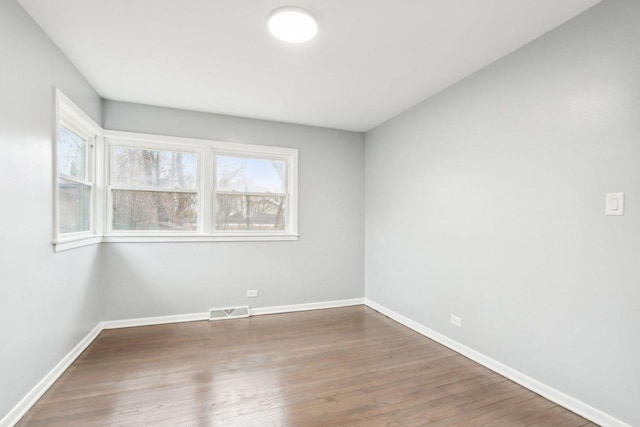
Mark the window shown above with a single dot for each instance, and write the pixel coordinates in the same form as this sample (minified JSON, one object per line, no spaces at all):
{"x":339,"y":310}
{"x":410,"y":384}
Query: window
{"x":75,"y":143}
{"x":74,"y":181}
{"x":113,"y":186}
{"x":250,"y":193}
{"x":152,"y":189}
{"x":177,"y":189}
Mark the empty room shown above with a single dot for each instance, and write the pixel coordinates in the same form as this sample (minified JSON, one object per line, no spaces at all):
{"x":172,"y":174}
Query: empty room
{"x":320,"y":213}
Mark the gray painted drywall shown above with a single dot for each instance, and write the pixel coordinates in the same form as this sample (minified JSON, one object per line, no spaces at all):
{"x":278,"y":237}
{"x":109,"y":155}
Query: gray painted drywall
{"x":326,"y":263}
{"x":487,"y":201}
{"x":48,"y":301}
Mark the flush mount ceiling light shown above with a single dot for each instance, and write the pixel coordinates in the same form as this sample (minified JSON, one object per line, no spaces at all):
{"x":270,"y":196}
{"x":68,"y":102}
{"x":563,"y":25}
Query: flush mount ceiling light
{"x":293,"y":24}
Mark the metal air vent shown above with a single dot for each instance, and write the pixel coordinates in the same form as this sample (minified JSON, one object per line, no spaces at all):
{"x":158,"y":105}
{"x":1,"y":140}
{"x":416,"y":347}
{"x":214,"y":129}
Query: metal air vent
{"x":228,"y":313}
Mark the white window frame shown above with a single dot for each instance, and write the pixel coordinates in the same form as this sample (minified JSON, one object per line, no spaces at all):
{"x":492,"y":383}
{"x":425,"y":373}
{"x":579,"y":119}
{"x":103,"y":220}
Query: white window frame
{"x":271,"y":153}
{"x":207,"y":151}
{"x":147,"y":142}
{"x":70,"y":116}
{"x":101,"y":211}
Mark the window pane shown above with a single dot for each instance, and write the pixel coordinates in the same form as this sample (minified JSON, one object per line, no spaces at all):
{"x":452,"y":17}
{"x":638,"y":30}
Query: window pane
{"x":154,"y":210}
{"x":74,"y":204}
{"x":154,"y":168}
{"x":72,"y":154}
{"x":260,"y":213}
{"x":253,"y":175}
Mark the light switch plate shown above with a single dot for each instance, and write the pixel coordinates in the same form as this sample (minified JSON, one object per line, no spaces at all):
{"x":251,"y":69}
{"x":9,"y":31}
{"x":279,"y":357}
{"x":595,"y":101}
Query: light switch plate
{"x":614,"y":204}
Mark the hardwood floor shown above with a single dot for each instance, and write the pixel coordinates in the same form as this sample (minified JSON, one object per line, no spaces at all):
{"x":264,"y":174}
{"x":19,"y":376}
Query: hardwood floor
{"x":338,"y":367}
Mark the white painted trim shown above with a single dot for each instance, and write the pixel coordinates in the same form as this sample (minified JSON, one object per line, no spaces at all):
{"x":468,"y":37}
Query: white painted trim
{"x":64,"y":245}
{"x":36,"y":392}
{"x":199,"y":238}
{"x":305,"y":307}
{"x":534,"y":385}
{"x":68,"y":108}
{"x":160,"y":320}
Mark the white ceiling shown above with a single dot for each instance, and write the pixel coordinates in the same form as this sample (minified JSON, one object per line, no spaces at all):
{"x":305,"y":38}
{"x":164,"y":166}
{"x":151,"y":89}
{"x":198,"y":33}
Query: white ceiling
{"x":371,"y":59}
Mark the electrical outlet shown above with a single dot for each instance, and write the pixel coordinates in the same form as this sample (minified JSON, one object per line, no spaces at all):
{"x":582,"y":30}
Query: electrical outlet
{"x":252,"y":293}
{"x":456,"y":321}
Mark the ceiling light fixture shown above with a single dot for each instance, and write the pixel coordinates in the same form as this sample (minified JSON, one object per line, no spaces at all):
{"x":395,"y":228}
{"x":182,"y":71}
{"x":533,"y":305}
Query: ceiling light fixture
{"x":293,"y":24}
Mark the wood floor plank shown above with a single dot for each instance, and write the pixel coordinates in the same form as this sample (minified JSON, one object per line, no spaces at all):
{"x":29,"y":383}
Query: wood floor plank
{"x":349,"y":366}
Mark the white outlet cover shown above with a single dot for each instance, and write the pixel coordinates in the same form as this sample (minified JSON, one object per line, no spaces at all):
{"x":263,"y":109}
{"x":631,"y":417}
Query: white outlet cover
{"x":614,"y":203}
{"x":251,"y":293}
{"x":456,"y":321}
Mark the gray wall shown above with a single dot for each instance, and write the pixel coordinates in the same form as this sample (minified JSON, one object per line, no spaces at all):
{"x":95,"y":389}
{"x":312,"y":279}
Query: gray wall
{"x":48,"y":301}
{"x":326,"y":263}
{"x":487,"y":201}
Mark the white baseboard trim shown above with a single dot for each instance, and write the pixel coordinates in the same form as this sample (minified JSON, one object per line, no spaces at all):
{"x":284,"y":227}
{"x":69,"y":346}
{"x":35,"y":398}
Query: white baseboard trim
{"x":45,"y":383}
{"x":193,"y":317}
{"x":306,"y":307}
{"x":534,"y":385}
{"x":159,"y":320}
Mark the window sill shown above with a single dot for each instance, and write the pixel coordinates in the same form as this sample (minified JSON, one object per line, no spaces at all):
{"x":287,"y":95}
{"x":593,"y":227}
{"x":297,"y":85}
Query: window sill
{"x":200,"y":238}
{"x":63,"y":245}
{"x":78,"y":242}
